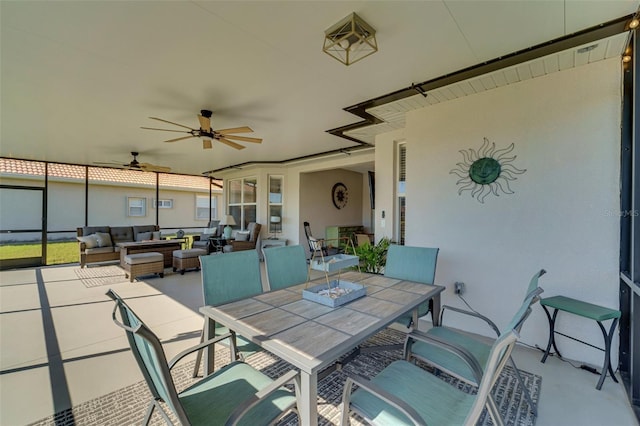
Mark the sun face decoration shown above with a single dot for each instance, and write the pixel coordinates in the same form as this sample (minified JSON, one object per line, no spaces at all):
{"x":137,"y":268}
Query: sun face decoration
{"x":486,"y":171}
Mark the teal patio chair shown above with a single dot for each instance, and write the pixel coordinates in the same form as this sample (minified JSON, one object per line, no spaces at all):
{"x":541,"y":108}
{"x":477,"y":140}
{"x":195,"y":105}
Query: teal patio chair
{"x":235,"y":394}
{"x":416,"y":264}
{"x":286,"y":266}
{"x":421,"y":346}
{"x":226,"y":278}
{"x":405,"y":394}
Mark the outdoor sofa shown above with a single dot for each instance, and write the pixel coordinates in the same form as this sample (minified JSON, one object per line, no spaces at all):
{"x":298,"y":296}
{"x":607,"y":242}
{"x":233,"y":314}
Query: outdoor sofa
{"x":99,"y":243}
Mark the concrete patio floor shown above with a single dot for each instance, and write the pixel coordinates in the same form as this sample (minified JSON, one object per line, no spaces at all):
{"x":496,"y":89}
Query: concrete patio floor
{"x":59,"y":347}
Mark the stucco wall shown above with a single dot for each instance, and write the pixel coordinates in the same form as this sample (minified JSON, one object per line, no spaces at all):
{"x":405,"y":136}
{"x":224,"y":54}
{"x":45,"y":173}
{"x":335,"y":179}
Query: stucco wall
{"x":107,"y":206}
{"x":562,"y":216}
{"x":316,"y":205}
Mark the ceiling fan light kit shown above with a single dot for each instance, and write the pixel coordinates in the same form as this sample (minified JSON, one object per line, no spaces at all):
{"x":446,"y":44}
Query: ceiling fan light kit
{"x":350,"y":40}
{"x":206,"y":134}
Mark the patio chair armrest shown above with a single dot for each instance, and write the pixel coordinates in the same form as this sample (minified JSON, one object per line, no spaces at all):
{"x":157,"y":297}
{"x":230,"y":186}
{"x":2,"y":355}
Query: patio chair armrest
{"x":237,"y":414}
{"x":471,"y":313}
{"x":459,"y":351}
{"x":366,"y":385}
{"x":197,"y":347}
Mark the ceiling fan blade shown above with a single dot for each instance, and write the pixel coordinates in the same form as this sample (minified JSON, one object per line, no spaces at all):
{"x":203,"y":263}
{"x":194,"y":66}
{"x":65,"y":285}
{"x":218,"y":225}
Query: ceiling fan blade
{"x":205,"y":122}
{"x":244,"y":129}
{"x":244,"y":138}
{"x":112,"y":163}
{"x":171,"y":122}
{"x":154,"y":168}
{"x":179,"y":139}
{"x":206,"y":144}
{"x":231,"y":144}
{"x":164,"y":130}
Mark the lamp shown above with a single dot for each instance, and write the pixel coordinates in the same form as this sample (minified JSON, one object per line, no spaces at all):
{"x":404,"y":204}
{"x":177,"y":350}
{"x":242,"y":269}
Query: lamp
{"x":350,"y":40}
{"x":276,"y":221}
{"x":229,"y":221}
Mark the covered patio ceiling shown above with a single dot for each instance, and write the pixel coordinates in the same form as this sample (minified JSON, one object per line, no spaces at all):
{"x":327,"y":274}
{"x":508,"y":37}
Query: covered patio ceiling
{"x":79,"y":79}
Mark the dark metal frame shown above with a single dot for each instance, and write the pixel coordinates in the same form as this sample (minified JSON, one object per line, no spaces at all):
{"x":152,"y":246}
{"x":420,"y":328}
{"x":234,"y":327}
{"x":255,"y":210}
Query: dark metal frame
{"x":29,"y":261}
{"x":629,"y":349}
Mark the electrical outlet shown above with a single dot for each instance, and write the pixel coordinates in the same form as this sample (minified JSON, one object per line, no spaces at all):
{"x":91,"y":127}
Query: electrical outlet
{"x":458,"y":288}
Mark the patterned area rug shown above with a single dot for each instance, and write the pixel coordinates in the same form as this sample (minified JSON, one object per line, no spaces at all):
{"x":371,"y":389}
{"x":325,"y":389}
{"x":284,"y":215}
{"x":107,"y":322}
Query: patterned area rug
{"x":101,"y":275}
{"x":128,"y":405}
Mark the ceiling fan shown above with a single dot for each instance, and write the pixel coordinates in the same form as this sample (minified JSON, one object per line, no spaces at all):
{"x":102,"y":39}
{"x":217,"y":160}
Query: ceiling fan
{"x":135,"y":165}
{"x":207,"y":135}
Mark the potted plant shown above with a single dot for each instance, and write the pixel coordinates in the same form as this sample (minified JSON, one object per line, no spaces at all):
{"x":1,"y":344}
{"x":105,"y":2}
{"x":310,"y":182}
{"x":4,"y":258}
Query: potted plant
{"x":373,"y":257}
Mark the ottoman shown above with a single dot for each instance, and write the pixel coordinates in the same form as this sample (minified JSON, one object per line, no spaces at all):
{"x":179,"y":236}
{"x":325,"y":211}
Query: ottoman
{"x":143,"y":264}
{"x":186,"y":259}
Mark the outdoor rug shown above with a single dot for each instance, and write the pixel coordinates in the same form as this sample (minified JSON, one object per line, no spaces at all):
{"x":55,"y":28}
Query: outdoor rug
{"x":128,"y":405}
{"x":101,"y":275}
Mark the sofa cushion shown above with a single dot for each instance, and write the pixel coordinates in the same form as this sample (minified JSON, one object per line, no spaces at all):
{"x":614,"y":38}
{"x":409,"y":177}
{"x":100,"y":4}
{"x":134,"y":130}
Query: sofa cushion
{"x":90,"y":241}
{"x":88,"y":230}
{"x":138,"y":229}
{"x":99,"y":250}
{"x":144,"y":236}
{"x":121,"y":234}
{"x":157,"y":235}
{"x":104,"y":239}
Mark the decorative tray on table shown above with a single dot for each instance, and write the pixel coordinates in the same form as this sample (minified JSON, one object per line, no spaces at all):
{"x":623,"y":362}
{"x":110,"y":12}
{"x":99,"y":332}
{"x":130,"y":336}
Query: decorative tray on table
{"x":336,"y":293}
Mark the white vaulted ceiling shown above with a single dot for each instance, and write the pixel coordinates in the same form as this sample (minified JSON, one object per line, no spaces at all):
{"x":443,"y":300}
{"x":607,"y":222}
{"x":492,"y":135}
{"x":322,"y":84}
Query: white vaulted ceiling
{"x":79,"y":78}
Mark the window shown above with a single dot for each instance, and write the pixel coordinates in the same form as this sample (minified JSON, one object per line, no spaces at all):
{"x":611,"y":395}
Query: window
{"x":243,"y":196}
{"x":206,"y":208}
{"x":401,"y":192}
{"x":275,"y":204}
{"x":136,"y":206}
{"x":163,"y":204}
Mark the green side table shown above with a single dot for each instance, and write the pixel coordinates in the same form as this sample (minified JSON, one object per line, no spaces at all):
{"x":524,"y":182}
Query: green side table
{"x":586,"y":310}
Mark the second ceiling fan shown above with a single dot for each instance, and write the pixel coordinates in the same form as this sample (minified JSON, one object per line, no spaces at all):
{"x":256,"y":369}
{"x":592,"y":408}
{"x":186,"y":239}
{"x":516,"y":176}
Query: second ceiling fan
{"x":207,"y":134}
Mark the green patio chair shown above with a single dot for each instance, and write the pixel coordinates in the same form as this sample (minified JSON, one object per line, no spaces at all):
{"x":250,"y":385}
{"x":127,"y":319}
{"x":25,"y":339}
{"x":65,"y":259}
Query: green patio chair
{"x":405,"y":394}
{"x":226,"y":278}
{"x":235,"y":394}
{"x":286,"y":266}
{"x":420,"y":345}
{"x":416,"y":264}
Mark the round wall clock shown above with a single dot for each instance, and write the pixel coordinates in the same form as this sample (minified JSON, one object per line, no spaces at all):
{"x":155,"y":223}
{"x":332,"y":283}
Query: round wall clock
{"x":339,"y":195}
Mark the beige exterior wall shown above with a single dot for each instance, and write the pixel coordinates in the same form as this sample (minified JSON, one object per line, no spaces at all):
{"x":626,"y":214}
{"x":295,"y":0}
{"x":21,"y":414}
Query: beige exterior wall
{"x":562,"y":216}
{"x":107,"y":206}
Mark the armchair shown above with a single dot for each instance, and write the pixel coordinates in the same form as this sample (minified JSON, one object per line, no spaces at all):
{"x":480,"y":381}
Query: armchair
{"x":202,"y":241}
{"x":424,"y":345}
{"x":236,"y":393}
{"x":403,"y":393}
{"x":253,"y":239}
{"x":319,"y":245}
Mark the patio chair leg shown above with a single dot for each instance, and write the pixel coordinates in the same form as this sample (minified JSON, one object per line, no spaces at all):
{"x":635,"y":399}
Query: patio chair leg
{"x":198,"y":357}
{"x":527,"y":395}
{"x":494,"y":412}
{"x":147,"y":416}
{"x":346,"y":399}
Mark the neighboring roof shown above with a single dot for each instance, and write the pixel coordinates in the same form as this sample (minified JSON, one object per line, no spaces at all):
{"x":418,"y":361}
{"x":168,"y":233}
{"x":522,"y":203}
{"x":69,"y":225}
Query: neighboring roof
{"x":59,"y":171}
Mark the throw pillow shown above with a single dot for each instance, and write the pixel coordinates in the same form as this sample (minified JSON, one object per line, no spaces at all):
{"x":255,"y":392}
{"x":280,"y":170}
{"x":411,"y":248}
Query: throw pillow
{"x":90,"y":241}
{"x":143,"y":236}
{"x":104,"y":239}
{"x":242,"y":236}
{"x":157,"y":235}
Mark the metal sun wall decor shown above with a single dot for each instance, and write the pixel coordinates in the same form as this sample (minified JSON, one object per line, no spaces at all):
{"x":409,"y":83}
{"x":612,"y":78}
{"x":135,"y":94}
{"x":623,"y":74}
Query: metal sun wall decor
{"x":486,"y":171}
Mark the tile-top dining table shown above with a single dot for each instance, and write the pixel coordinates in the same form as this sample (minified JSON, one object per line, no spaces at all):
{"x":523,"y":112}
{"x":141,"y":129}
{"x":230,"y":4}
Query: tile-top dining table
{"x":311,"y":336}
